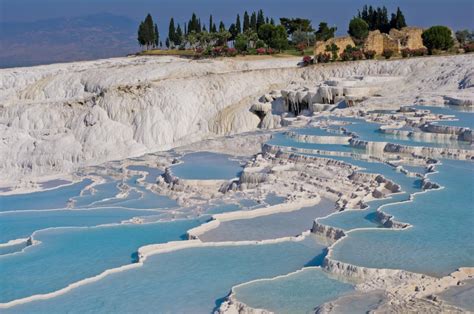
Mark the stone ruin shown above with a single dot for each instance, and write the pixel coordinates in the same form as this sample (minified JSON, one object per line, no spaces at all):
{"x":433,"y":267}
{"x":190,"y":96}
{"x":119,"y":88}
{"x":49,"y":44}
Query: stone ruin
{"x":341,"y":42}
{"x":396,"y":40}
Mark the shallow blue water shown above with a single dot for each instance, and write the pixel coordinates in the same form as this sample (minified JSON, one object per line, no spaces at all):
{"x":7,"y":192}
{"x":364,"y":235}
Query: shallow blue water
{"x":152,"y":173}
{"x":440,"y":240}
{"x":100,"y":192}
{"x":192,"y":280}
{"x":50,"y":199}
{"x":297,"y":293}
{"x":463,"y":118}
{"x":16,"y":225}
{"x":67,"y":255}
{"x":207,"y":166}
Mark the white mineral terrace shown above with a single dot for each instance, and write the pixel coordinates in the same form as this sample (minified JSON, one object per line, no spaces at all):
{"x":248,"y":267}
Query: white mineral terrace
{"x":99,"y":119}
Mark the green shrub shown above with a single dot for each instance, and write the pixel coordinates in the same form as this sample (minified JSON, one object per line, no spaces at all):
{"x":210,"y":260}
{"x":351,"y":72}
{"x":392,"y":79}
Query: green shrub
{"x":241,"y":43}
{"x":260,"y":44}
{"x":437,"y":38}
{"x":388,"y":53}
{"x":369,"y":54}
{"x":358,"y":29}
{"x":323,"y":57}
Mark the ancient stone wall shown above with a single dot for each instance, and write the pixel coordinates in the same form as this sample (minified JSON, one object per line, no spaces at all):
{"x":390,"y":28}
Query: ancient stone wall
{"x":341,"y":42}
{"x":378,"y":42}
{"x":410,"y":37}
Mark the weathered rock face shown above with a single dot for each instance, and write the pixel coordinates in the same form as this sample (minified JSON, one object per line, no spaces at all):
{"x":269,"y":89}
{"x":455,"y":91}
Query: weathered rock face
{"x":341,"y":42}
{"x":378,"y":42}
{"x":409,"y":37}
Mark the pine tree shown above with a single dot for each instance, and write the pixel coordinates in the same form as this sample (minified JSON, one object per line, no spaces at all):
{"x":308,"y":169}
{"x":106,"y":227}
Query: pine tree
{"x":253,"y":21}
{"x":141,"y":34}
{"x":171,"y":34}
{"x":146,"y":33}
{"x":398,"y":20}
{"x":246,"y":21}
{"x":221,"y":27}
{"x":157,"y":36}
{"x":237,"y":25}
{"x":179,"y":36}
{"x":210,"y":24}
{"x":260,"y":19}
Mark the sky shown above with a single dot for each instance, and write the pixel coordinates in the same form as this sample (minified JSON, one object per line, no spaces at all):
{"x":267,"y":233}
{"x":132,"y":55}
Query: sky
{"x":73,"y":30}
{"x":457,"y":14}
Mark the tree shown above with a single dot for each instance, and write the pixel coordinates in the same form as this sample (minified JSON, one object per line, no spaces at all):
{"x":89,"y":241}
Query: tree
{"x":141,"y":34}
{"x":246,"y":22}
{"x":272,"y":21}
{"x":238,"y":27}
{"x":464,"y":36}
{"x":157,"y":36}
{"x":333,"y":49}
{"x":167,"y":42}
{"x":146,"y":33}
{"x":253,"y":21}
{"x":171,"y":33}
{"x":178,"y":36}
{"x":241,"y":42}
{"x":291,"y":25}
{"x":221,"y":27}
{"x":233,"y":31}
{"x":212,"y":25}
{"x":266,"y":32}
{"x":437,"y":37}
{"x":260,"y":19}
{"x":279,"y":38}
{"x":358,"y":29}
{"x":398,"y":20}
{"x":194,"y":24}
{"x":324,"y":32}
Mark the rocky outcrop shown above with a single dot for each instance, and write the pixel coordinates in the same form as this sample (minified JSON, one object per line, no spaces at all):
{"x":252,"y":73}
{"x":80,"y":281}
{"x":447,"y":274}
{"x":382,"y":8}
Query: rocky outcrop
{"x":340,"y":42}
{"x":379,"y":42}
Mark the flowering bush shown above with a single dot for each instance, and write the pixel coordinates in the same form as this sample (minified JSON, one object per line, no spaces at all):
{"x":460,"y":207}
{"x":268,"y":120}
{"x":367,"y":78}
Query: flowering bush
{"x":231,"y":52}
{"x":301,"y":47}
{"x":369,"y":54}
{"x":307,"y":60}
{"x":271,"y":51}
{"x":323,"y":57}
{"x":261,"y":51}
{"x":357,"y":55}
{"x":469,"y":47}
{"x":419,"y":52}
{"x":387,"y":53}
{"x":345,"y":56}
{"x":406,"y":52}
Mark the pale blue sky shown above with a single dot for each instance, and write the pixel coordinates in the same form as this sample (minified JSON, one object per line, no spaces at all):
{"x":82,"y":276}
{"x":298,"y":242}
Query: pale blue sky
{"x":455,"y":13}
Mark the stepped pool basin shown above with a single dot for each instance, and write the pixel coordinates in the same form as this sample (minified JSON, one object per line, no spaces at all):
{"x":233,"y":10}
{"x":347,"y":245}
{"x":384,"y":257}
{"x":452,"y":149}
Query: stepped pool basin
{"x":207,"y":166}
{"x":437,"y":218}
{"x":189,"y":280}
{"x":299,"y":292}
{"x":67,"y":255}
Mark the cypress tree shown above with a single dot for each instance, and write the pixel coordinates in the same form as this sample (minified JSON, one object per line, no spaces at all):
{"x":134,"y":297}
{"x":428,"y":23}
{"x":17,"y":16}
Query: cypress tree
{"x":157,"y":36}
{"x":237,"y":25}
{"x":246,"y":21}
{"x":148,"y":31}
{"x":272,"y":21}
{"x":171,"y":33}
{"x":179,"y":36}
{"x":141,"y":35}
{"x":167,"y":42}
{"x":233,"y":31}
{"x":398,"y":20}
{"x":210,"y":23}
{"x":253,"y":21}
{"x":221,"y":27}
{"x":260,"y":19}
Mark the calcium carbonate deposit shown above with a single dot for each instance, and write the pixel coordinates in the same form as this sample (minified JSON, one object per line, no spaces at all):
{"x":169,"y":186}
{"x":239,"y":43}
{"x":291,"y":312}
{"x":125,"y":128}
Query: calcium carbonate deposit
{"x":160,"y":184}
